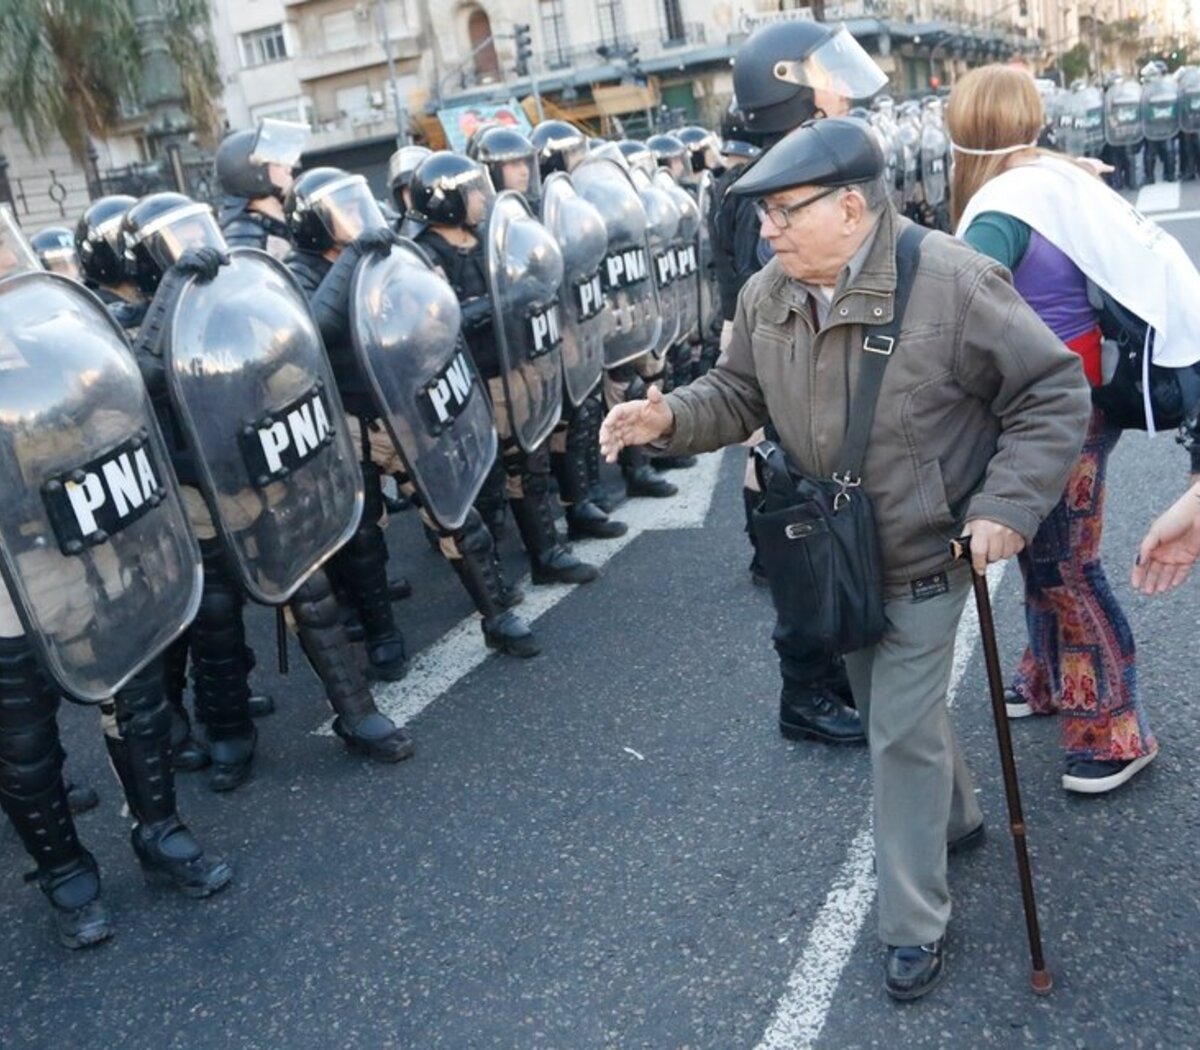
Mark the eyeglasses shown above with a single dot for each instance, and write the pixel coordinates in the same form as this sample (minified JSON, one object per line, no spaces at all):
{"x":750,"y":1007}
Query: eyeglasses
{"x":781,"y":214}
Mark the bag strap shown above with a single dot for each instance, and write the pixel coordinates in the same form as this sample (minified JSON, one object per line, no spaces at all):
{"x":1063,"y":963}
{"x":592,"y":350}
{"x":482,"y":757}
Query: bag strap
{"x":878,"y":347}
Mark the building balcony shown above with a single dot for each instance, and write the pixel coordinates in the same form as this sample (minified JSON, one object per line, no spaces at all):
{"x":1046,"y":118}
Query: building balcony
{"x":318,"y":65}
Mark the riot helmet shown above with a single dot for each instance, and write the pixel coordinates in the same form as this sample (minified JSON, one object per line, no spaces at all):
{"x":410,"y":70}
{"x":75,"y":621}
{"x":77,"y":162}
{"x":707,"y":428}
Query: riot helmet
{"x":451,"y":190}
{"x":511,"y":161}
{"x":55,"y":247}
{"x":260,"y":163}
{"x":98,"y":240}
{"x":560,"y":146}
{"x":328,"y":208}
{"x":789,"y":72}
{"x":668,"y":152}
{"x":15,"y":253}
{"x":739,"y":150}
{"x":158,"y":229}
{"x":481,"y":129}
{"x":401,"y":166}
{"x":638,"y":156}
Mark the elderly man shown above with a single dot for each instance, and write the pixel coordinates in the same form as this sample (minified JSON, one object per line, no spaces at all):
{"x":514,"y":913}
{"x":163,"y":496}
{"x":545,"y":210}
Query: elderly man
{"x":981,"y":414}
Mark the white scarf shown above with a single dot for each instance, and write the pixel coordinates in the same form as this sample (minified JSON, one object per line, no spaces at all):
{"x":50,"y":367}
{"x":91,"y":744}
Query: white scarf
{"x":1131,"y":257}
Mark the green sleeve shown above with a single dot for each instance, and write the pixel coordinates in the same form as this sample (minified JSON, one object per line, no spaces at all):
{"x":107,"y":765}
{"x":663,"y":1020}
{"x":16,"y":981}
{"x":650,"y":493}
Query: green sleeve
{"x":999,"y":236}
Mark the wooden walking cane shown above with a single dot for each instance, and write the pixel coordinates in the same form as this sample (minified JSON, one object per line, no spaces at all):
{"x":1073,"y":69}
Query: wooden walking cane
{"x":1040,"y":979}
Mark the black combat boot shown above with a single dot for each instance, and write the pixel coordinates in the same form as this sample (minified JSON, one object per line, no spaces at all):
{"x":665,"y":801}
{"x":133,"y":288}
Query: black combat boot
{"x":584,"y":518}
{"x":816,"y":712}
{"x":591,"y":414}
{"x":362,"y":570}
{"x":81,"y":798}
{"x":141,"y":755}
{"x":34,"y":797}
{"x":641,"y":479}
{"x":359,"y":723}
{"x":220,"y":675}
{"x":478,"y":569}
{"x":550,"y":560}
{"x":187,"y":753}
{"x":261,"y":704}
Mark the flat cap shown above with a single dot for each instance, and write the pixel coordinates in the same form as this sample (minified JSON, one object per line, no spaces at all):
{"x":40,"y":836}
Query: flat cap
{"x":835,"y":151}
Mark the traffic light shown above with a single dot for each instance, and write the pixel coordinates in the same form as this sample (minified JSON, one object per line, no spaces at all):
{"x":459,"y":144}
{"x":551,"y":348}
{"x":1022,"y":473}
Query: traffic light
{"x":524,"y":41}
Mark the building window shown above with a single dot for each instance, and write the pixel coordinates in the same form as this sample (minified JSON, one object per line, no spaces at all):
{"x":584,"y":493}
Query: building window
{"x":263,"y":46}
{"x":340,"y":30}
{"x":672,"y":22}
{"x":611,"y":14}
{"x":554,"y":34}
{"x":479,"y":33}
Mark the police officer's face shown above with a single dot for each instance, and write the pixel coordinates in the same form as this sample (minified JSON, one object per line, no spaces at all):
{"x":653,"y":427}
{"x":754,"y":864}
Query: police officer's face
{"x":476,"y":207}
{"x":830,"y":103}
{"x":819,"y":239}
{"x":281,"y":178}
{"x":516,"y":175}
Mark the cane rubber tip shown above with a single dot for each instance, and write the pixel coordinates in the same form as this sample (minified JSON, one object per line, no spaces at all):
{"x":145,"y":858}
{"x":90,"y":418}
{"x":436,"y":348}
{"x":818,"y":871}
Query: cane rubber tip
{"x":1042,"y":982}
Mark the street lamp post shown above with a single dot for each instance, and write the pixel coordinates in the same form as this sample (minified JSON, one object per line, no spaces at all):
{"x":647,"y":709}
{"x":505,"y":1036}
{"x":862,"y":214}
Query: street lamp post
{"x":161,"y":89}
{"x":398,"y":106}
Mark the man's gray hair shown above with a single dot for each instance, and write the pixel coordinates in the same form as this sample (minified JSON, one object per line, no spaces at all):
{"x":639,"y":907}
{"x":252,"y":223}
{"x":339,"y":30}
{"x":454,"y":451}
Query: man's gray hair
{"x":875,"y":192}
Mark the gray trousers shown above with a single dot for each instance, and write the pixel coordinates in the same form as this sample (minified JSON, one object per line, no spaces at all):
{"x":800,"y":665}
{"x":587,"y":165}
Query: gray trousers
{"x":923,"y":793}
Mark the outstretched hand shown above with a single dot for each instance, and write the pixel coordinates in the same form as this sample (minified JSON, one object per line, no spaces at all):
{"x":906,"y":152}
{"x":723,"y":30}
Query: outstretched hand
{"x":1170,"y":547}
{"x":635,"y":423}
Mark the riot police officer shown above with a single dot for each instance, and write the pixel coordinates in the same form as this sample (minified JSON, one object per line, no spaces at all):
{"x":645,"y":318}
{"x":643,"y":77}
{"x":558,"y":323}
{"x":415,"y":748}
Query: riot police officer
{"x":55,"y":248}
{"x":453,"y":194}
{"x":254,"y":173}
{"x":335,"y":225}
{"x":55,"y":588}
{"x":401,"y":166}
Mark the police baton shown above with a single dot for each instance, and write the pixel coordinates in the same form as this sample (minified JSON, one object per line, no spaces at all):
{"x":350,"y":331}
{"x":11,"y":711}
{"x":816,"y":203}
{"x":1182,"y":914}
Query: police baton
{"x":1040,"y":979}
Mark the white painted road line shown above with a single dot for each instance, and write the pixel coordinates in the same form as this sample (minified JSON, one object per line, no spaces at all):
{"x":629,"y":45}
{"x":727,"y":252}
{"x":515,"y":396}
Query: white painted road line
{"x":1178,"y":216}
{"x":435,"y":670}
{"x":1160,"y":196}
{"x":801,"y":1012}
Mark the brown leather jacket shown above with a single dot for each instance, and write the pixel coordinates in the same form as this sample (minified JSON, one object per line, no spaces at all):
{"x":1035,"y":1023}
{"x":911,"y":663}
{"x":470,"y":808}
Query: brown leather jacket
{"x":982,"y":413}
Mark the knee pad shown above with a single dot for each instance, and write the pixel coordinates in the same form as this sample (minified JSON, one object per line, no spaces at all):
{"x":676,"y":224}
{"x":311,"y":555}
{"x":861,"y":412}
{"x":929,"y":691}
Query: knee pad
{"x":141,"y":706}
{"x":30,"y":755}
{"x":473,"y":537}
{"x":314,"y":604}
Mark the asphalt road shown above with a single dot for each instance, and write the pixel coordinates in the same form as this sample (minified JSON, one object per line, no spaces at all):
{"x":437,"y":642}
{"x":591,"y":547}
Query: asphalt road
{"x":611,"y":847}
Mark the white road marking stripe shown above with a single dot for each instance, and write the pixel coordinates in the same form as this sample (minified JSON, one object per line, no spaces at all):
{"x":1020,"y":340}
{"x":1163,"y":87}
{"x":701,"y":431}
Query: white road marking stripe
{"x":1177,"y":216}
{"x":1159,"y":196}
{"x":436,"y":670}
{"x":802,"y":1010}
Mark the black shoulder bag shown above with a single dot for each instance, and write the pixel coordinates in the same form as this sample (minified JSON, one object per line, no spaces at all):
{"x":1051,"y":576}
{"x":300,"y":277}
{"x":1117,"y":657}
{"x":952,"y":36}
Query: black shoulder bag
{"x":816,"y":536}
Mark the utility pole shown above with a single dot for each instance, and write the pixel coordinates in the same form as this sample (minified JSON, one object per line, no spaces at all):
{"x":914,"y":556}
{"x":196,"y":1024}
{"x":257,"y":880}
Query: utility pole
{"x":161,"y":89}
{"x":398,"y":106}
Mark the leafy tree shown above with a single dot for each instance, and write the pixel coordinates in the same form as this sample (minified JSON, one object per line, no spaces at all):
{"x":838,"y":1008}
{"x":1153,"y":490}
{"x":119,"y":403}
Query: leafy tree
{"x":1075,"y":63}
{"x":71,"y":67}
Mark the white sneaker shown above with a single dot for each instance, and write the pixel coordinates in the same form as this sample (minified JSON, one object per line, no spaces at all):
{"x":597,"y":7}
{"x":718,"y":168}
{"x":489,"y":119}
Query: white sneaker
{"x":1098,"y":783}
{"x":1018,"y":709}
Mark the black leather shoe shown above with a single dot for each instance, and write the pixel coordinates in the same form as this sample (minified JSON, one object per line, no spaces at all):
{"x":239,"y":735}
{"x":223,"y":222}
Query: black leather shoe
{"x":388,"y":660}
{"x":559,"y":565}
{"x":232,"y":759}
{"x":80,"y":918}
{"x":261,"y":705}
{"x":587,"y":521}
{"x":81,"y":798}
{"x":170,"y":856}
{"x":819,"y":715}
{"x":377,"y":737}
{"x":644,"y":480}
{"x":189,"y":755}
{"x":399,"y":589}
{"x":509,"y":634}
{"x":972,"y":840}
{"x":910,"y":973}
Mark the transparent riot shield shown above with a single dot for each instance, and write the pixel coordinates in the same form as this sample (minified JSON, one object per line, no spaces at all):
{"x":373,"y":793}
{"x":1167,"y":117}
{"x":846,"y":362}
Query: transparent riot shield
{"x":634,"y":319}
{"x":687,"y":255}
{"x":933,"y":163}
{"x":95,"y":547}
{"x":710,"y":290}
{"x":260,"y":410}
{"x":1092,"y":115}
{"x":525,"y":274}
{"x":405,"y":326}
{"x":1160,"y":109}
{"x":1123,"y":114}
{"x":579,"y":229}
{"x":662,"y":225}
{"x":15,"y":253}
{"x":1189,"y":101}
{"x":1070,"y":138}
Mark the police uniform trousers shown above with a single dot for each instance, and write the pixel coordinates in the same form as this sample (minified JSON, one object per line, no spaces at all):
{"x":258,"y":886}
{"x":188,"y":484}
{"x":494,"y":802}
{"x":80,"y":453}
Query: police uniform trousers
{"x":923,"y":795}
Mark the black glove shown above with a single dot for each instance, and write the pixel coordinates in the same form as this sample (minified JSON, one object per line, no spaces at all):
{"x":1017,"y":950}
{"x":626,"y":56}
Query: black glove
{"x":476,"y":313}
{"x":378,"y":240}
{"x":203,"y":263}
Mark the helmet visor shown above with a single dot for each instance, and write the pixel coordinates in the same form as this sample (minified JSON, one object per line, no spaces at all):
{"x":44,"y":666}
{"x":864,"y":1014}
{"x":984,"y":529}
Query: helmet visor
{"x":279,"y":142}
{"x":169,"y":236}
{"x":347,"y":209}
{"x":839,"y":66}
{"x":15,"y":253}
{"x":64,"y":261}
